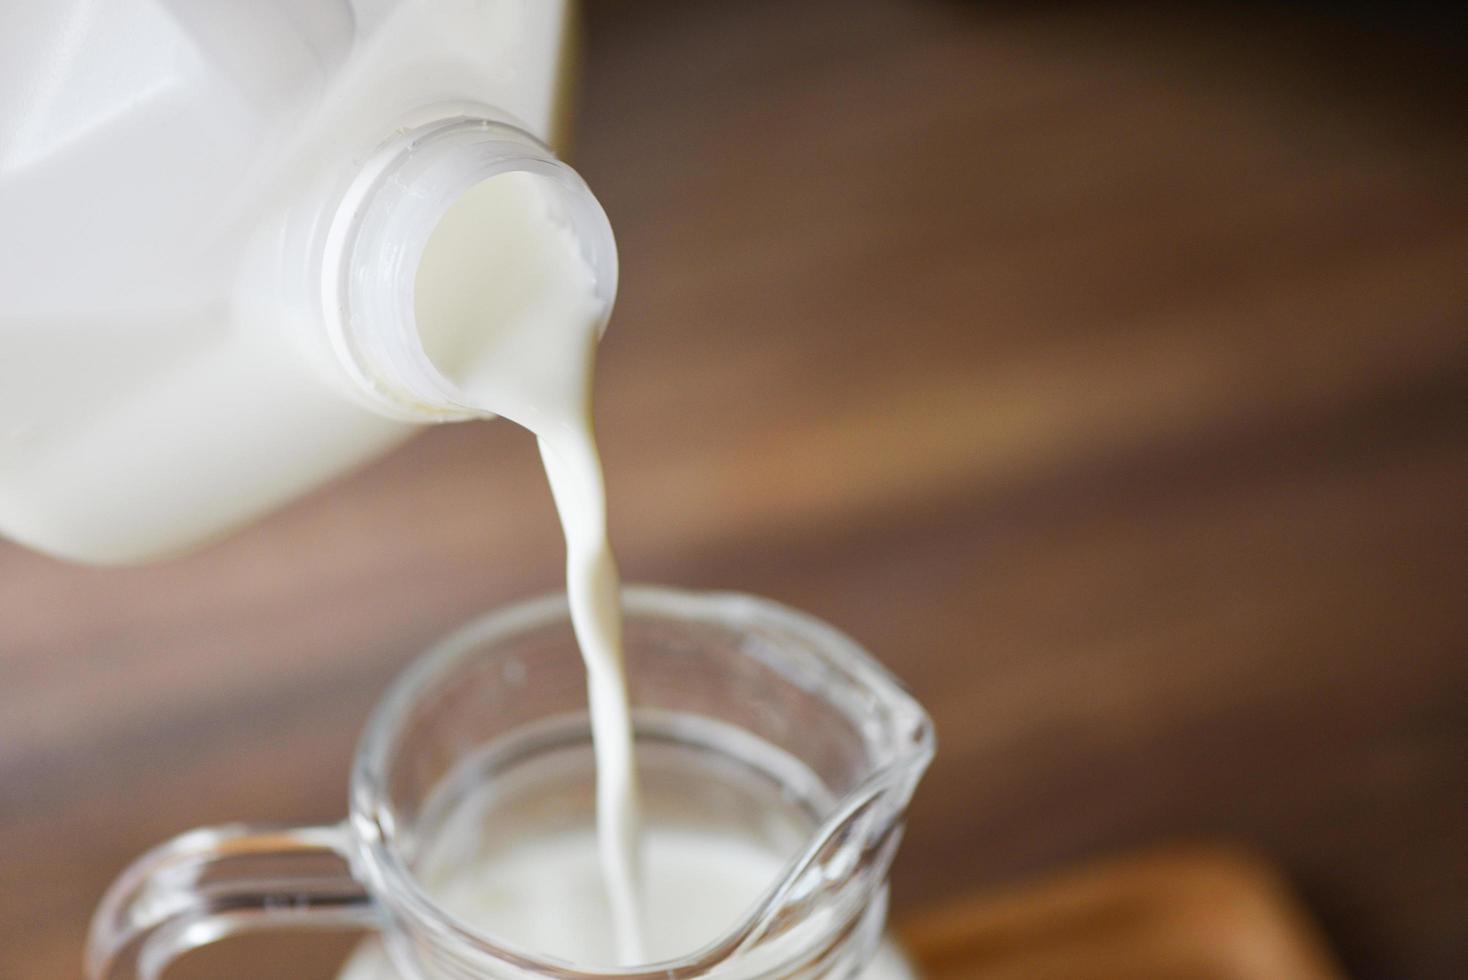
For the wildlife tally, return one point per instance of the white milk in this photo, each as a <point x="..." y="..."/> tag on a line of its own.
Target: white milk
<point x="522" y="344"/>
<point x="544" y="896"/>
<point x="541" y="896"/>
<point x="509" y="848"/>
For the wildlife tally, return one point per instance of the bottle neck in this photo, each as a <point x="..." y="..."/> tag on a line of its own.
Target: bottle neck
<point x="377" y="240"/>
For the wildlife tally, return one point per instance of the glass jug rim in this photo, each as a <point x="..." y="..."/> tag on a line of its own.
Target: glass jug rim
<point x="910" y="746"/>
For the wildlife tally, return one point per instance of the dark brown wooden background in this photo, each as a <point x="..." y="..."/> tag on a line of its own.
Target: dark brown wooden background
<point x="1103" y="371"/>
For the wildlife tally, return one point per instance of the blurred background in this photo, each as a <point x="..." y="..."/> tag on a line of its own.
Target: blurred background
<point x="1102" y="368"/>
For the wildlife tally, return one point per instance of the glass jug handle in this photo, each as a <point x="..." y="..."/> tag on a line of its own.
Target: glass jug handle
<point x="214" y="882"/>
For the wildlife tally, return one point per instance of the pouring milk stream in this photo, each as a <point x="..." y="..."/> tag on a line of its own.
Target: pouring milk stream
<point x="521" y="344"/>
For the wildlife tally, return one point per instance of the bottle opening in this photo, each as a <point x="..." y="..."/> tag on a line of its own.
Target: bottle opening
<point x="505" y="300"/>
<point x="463" y="254"/>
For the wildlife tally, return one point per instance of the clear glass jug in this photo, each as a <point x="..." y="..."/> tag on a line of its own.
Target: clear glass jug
<point x="751" y="719"/>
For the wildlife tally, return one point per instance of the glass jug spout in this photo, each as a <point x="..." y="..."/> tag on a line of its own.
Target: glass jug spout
<point x="837" y="884"/>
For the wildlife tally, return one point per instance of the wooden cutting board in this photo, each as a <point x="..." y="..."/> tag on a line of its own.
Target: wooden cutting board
<point x="1182" y="913"/>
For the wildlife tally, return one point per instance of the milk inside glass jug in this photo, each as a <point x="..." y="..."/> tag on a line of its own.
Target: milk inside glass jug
<point x="777" y="761"/>
<point x="213" y="218"/>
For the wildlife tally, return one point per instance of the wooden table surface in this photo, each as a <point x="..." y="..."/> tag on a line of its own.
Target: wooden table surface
<point x="1105" y="373"/>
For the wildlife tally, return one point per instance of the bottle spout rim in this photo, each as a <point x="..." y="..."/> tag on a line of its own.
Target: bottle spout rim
<point x="380" y="230"/>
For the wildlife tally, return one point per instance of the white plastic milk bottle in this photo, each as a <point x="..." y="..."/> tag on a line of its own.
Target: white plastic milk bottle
<point x="212" y="222"/>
